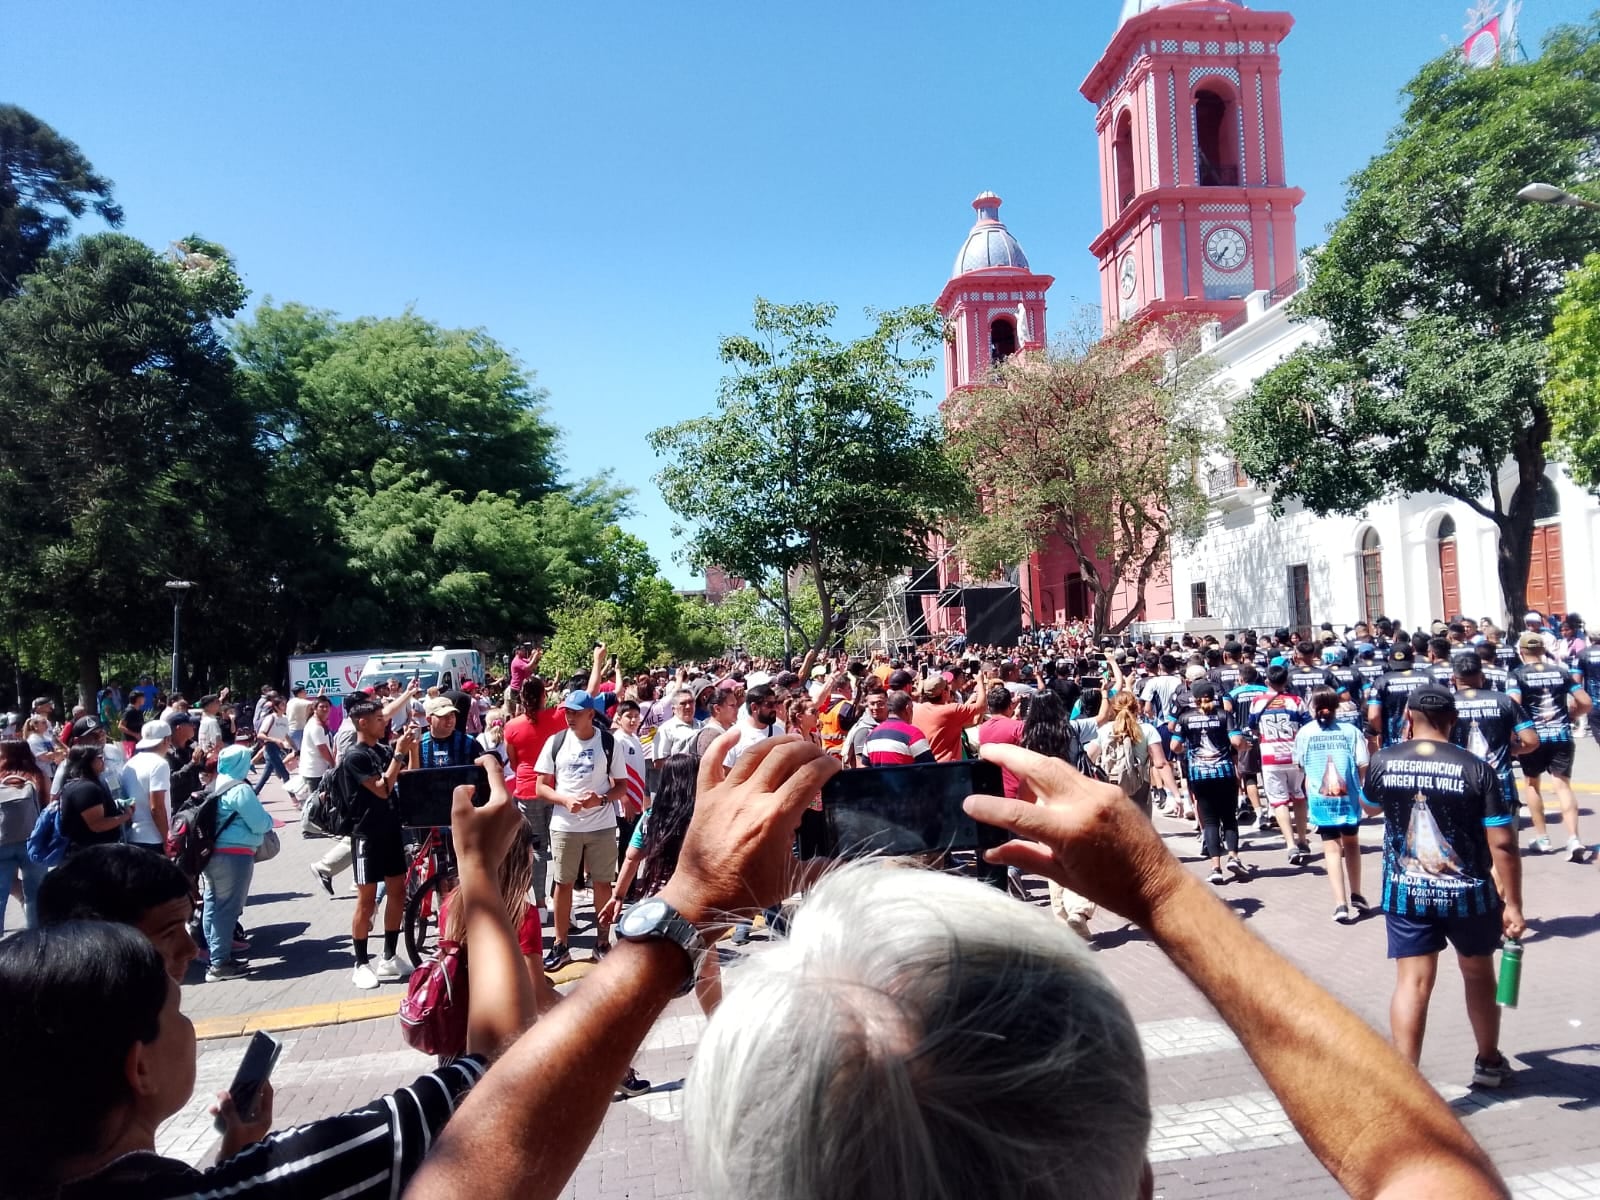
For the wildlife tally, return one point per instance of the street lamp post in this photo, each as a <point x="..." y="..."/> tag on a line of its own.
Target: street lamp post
<point x="1549" y="193"/>
<point x="179" y="589"/>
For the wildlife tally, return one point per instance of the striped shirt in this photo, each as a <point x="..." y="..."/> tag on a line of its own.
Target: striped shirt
<point x="896" y="743"/>
<point x="368" y="1154"/>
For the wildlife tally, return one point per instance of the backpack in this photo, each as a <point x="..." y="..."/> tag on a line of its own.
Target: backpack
<point x="433" y="1015"/>
<point x="19" y="812"/>
<point x="608" y="746"/>
<point x="1122" y="766"/>
<point x="319" y="816"/>
<point x="193" y="831"/>
<point x="48" y="843"/>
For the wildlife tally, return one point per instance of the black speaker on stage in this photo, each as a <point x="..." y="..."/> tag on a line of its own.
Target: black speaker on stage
<point x="994" y="614"/>
<point x="916" y="621"/>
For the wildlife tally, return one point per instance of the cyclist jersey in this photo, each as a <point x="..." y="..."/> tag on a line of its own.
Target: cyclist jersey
<point x="1441" y="672"/>
<point x="1389" y="694"/>
<point x="1305" y="680"/>
<point x="1505" y="656"/>
<point x="1498" y="678"/>
<point x="1542" y="689"/>
<point x="1589" y="671"/>
<point x="1485" y="723"/>
<point x="1225" y="678"/>
<point x="1436" y="800"/>
<point x="454" y="751"/>
<point x="1352" y="689"/>
<point x="1203" y="740"/>
<point x="1239" y="704"/>
<point x="1275" y="718"/>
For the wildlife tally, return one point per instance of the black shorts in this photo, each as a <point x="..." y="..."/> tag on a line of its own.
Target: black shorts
<point x="1332" y="833"/>
<point x="378" y="856"/>
<point x="1473" y="937"/>
<point x="1551" y="758"/>
<point x="1247" y="761"/>
<point x="812" y="836"/>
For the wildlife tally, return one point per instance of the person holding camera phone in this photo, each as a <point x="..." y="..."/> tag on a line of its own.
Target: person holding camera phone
<point x="363" y="784"/>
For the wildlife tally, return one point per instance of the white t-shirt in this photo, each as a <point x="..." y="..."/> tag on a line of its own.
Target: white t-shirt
<point x="273" y="727"/>
<point x="749" y="735"/>
<point x="146" y="772"/>
<point x="632" y="753"/>
<point x="210" y="735"/>
<point x="312" y="763"/>
<point x="578" y="767"/>
<point x="299" y="712"/>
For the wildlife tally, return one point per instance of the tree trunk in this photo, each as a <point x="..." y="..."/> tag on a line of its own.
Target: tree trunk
<point x="88" y="677"/>
<point x="1512" y="556"/>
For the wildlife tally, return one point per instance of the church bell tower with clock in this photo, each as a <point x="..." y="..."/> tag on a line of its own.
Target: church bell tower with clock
<point x="1195" y="203"/>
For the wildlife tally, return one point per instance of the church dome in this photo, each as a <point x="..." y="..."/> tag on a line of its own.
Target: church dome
<point x="990" y="244"/>
<point x="1132" y="8"/>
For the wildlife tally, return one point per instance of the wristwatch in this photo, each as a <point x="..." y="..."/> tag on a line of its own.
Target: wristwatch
<point x="655" y="918"/>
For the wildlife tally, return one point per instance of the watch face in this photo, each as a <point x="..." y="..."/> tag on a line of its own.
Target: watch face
<point x="1129" y="275"/>
<point x="1227" y="249"/>
<point x="642" y="917"/>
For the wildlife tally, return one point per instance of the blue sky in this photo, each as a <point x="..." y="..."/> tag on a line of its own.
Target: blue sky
<point x="606" y="188"/>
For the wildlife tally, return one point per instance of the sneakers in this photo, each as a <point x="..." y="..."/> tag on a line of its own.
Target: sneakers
<point x="1359" y="902"/>
<point x="1217" y="877"/>
<point x="323" y="878"/>
<point x="741" y="933"/>
<point x="1240" y="871"/>
<point x="558" y="957"/>
<point x="632" y="1084"/>
<point x="1576" y="851"/>
<point x="1246" y="815"/>
<point x="1265" y="823"/>
<point x="388" y="968"/>
<point x="1300" y="855"/>
<point x="1079" y="924"/>
<point x="1539" y="845"/>
<point x="601" y="949"/>
<point x="1294" y="856"/>
<point x="1343" y="915"/>
<point x="364" y="977"/>
<point x="240" y="946"/>
<point x="225" y="970"/>
<point x="1490" y="1075"/>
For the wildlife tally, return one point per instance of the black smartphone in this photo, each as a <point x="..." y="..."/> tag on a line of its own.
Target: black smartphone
<point x="260" y="1056"/>
<point x="423" y="797"/>
<point x="908" y="810"/>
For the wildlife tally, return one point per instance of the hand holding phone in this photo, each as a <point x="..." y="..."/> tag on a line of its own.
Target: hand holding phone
<point x="249" y="1085"/>
<point x="908" y="810"/>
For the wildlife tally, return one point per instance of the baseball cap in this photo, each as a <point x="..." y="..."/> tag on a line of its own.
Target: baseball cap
<point x="1430" y="698"/>
<point x="578" y="700"/>
<point x="84" y="726"/>
<point x="933" y="685"/>
<point x="819" y="671"/>
<point x="181" y="718"/>
<point x="439" y="706"/>
<point x="153" y="733"/>
<point x="1466" y="662"/>
<point x="1400" y="652"/>
<point x="901" y="680"/>
<point x="1532" y="616"/>
<point x="1530" y="641"/>
<point x="469" y="687"/>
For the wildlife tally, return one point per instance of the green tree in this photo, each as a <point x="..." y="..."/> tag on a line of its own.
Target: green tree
<point x="750" y="621"/>
<point x="1437" y="291"/>
<point x="579" y="624"/>
<point x="1573" y="393"/>
<point x="45" y="181"/>
<point x="1097" y="443"/>
<point x="815" y="459"/>
<point x="123" y="445"/>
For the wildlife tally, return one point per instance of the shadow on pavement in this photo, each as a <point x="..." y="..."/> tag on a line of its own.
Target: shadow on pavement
<point x="1118" y="937"/>
<point x="304" y="958"/>
<point x="1565" y="927"/>
<point x="280" y="897"/>
<point x="1553" y="1076"/>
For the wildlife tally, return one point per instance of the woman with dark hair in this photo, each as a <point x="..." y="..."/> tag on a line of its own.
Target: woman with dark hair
<point x="653" y="856"/>
<point x="90" y="815"/>
<point x="1333" y="756"/>
<point x="89" y="1018"/>
<point x="16" y="758"/>
<point x="1046" y="730"/>
<point x="19" y="776"/>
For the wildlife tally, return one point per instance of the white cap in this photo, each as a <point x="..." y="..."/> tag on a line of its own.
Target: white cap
<point x="152" y="734"/>
<point x="1536" y="618"/>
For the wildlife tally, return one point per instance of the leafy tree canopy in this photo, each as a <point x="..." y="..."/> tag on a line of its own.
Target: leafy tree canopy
<point x="45" y="181"/>
<point x="815" y="458"/>
<point x="1574" y="389"/>
<point x="1437" y="291"/>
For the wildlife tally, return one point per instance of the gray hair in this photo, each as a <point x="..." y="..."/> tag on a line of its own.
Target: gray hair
<point x="918" y="1035"/>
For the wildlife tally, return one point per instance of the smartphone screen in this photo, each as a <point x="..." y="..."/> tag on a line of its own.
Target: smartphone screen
<point x="422" y="797"/>
<point x="908" y="810"/>
<point x="260" y="1056"/>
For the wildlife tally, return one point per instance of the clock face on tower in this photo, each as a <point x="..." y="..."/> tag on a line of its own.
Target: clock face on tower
<point x="1129" y="276"/>
<point x="1227" y="248"/>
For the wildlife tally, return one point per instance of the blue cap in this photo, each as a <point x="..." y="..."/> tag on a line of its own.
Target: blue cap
<point x="578" y="700"/>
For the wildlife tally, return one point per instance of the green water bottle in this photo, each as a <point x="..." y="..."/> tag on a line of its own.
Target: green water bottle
<point x="1510" y="973"/>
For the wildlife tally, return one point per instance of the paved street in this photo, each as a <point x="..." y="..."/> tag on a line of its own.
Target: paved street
<point x="1218" y="1131"/>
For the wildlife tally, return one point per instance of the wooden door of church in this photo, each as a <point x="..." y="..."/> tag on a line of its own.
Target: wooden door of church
<point x="1449" y="579"/>
<point x="1547" y="577"/>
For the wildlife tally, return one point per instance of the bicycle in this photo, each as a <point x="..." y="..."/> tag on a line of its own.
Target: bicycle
<point x="430" y="875"/>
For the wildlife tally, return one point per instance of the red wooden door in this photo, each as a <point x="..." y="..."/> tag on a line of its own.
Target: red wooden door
<point x="1547" y="580"/>
<point x="1449" y="579"/>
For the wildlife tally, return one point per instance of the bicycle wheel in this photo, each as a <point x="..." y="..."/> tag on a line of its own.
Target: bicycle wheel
<point x="421" y="925"/>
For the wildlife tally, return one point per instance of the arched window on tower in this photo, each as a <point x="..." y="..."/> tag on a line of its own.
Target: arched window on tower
<point x="1002" y="340"/>
<point x="1370" y="564"/>
<point x="1122" y="150"/>
<point x="1217" y="140"/>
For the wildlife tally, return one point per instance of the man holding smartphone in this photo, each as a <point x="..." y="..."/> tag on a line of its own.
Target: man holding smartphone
<point x="363" y="783"/>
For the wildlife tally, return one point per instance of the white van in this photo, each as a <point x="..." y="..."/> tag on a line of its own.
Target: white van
<point x="441" y="668"/>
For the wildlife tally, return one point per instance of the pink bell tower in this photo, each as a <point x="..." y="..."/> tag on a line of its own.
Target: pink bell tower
<point x="993" y="303"/>
<point x="1196" y="207"/>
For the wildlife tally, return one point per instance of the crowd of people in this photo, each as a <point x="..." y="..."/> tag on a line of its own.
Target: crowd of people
<point x="687" y="802"/>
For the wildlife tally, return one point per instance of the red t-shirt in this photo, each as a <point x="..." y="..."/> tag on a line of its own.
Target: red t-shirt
<point x="1004" y="731"/>
<point x="528" y="936"/>
<point x="525" y="738"/>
